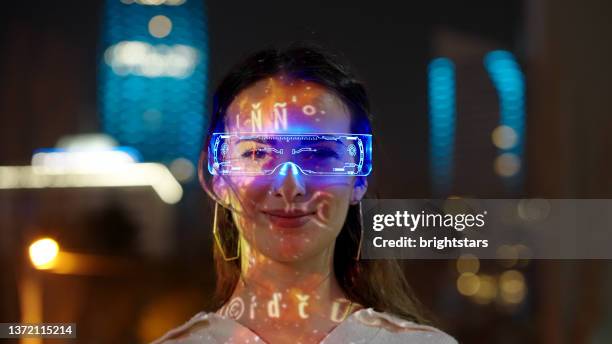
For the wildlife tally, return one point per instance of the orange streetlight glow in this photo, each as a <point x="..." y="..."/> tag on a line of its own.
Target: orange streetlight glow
<point x="43" y="253"/>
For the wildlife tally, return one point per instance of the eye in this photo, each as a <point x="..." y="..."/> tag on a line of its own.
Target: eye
<point x="323" y="153"/>
<point x="255" y="154"/>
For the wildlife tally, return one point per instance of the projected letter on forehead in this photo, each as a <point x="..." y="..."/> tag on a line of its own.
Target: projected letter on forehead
<point x="280" y="116"/>
<point x="256" y="117"/>
<point x="286" y="105"/>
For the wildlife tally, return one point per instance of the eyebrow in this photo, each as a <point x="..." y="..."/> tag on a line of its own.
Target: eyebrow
<point x="255" y="139"/>
<point x="301" y="142"/>
<point x="307" y="142"/>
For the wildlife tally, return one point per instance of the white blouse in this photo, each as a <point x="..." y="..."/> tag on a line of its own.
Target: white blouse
<point x="363" y="326"/>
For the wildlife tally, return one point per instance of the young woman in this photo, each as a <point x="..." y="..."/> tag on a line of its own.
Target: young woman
<point x="286" y="162"/>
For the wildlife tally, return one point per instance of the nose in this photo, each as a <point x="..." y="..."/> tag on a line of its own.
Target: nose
<point x="289" y="184"/>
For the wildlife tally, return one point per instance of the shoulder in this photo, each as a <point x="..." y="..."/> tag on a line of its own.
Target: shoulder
<point x="207" y="327"/>
<point x="183" y="334"/>
<point x="393" y="329"/>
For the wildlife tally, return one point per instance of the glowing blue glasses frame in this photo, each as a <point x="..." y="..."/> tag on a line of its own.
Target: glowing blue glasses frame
<point x="361" y="147"/>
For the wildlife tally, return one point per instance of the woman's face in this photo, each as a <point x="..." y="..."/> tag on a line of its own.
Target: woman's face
<point x="288" y="216"/>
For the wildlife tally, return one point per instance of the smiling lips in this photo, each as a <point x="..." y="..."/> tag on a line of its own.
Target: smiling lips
<point x="284" y="219"/>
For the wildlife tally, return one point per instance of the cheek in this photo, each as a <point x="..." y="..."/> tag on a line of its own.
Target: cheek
<point x="331" y="197"/>
<point x="249" y="191"/>
<point x="331" y="206"/>
<point x="245" y="196"/>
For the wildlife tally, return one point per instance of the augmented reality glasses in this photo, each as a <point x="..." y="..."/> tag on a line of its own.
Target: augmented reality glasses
<point x="311" y="154"/>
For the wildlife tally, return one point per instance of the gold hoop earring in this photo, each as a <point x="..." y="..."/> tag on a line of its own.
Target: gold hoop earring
<point x="218" y="241"/>
<point x="358" y="256"/>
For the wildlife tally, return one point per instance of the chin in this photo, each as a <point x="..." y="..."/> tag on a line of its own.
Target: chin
<point x="288" y="248"/>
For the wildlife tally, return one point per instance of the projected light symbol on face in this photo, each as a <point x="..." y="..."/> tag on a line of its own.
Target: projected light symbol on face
<point x="309" y="110"/>
<point x="274" y="306"/>
<point x="280" y="116"/>
<point x="303" y="302"/>
<point x="256" y="117"/>
<point x="336" y="314"/>
<point x="252" y="307"/>
<point x="235" y="308"/>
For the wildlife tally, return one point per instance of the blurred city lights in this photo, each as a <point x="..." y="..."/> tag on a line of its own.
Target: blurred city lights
<point x="508" y="255"/>
<point x="88" y="142"/>
<point x="487" y="290"/>
<point x="468" y="263"/>
<point x="512" y="287"/>
<point x="145" y="174"/>
<point x="533" y="209"/>
<point x="57" y="160"/>
<point x="524" y="254"/>
<point x="509" y="136"/>
<point x="91" y="161"/>
<point x="507" y="164"/>
<point x="468" y="283"/>
<point x="154" y="2"/>
<point x="43" y="253"/>
<point x="504" y="137"/>
<point x="182" y="169"/>
<point x="144" y="59"/>
<point x="455" y="205"/>
<point x="509" y="288"/>
<point x="441" y="75"/>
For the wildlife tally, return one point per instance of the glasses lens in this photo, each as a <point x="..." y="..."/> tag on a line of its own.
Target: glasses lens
<point x="313" y="154"/>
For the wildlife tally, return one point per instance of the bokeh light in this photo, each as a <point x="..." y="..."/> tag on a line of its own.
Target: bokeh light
<point x="533" y="209"/>
<point x="468" y="263"/>
<point x="182" y="169"/>
<point x="507" y="164"/>
<point x="160" y="26"/>
<point x="43" y="253"/>
<point x="512" y="287"/>
<point x="487" y="290"/>
<point x="504" y="137"/>
<point x="508" y="255"/>
<point x="468" y="284"/>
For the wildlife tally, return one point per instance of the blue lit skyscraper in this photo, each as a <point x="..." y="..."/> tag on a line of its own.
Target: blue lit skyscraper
<point x="152" y="78"/>
<point x="442" y="113"/>
<point x="509" y="137"/>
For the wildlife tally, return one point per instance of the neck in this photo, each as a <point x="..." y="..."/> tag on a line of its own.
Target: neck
<point x="304" y="291"/>
<point x="306" y="274"/>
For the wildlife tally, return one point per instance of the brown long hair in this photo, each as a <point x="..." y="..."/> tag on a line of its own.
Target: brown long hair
<point x="380" y="284"/>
